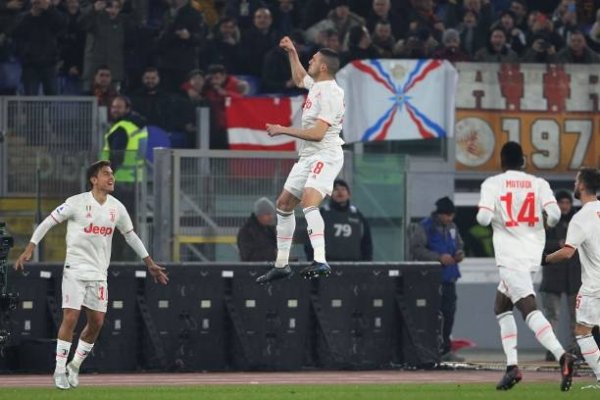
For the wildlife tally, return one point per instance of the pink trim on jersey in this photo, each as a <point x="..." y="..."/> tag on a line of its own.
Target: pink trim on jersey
<point x="285" y="237"/>
<point x="327" y="122"/>
<point x="61" y="356"/>
<point x="544" y="329"/>
<point x="486" y="208"/>
<point x="550" y="202"/>
<point x="316" y="234"/>
<point x="509" y="337"/>
<point x="55" y="220"/>
<point x="591" y="352"/>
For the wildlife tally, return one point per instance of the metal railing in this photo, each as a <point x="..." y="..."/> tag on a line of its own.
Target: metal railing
<point x="53" y="137"/>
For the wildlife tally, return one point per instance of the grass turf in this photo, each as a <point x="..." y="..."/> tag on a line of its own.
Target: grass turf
<point x="523" y="391"/>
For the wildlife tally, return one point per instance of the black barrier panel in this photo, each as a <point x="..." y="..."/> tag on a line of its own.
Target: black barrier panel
<point x="189" y="318"/>
<point x="418" y="301"/>
<point x="117" y="347"/>
<point x="355" y="319"/>
<point x="32" y="318"/>
<point x="270" y="323"/>
<point x="215" y="317"/>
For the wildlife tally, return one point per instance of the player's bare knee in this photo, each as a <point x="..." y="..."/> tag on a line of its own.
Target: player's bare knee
<point x="582" y="330"/>
<point x="502" y="304"/>
<point x="526" y="305"/>
<point x="70" y="317"/>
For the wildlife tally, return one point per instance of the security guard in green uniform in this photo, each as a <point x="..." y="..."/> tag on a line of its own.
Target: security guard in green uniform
<point x="125" y="147"/>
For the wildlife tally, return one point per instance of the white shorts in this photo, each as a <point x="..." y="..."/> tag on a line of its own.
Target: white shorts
<point x="587" y="310"/>
<point x="515" y="284"/>
<point x="90" y="294"/>
<point x="317" y="171"/>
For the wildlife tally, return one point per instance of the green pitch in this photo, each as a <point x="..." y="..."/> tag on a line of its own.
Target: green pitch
<point x="523" y="391"/>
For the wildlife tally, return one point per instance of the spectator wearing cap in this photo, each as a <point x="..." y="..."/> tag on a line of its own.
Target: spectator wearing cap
<point x="257" y="239"/>
<point x="560" y="278"/>
<point x="347" y="232"/>
<point x="451" y="50"/>
<point x="436" y="238"/>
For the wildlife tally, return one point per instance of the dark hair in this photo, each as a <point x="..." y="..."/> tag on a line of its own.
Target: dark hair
<point x="511" y="156"/>
<point x="590" y="177"/>
<point x="93" y="170"/>
<point x="195" y="72"/>
<point x="102" y="67"/>
<point x="217" y="69"/>
<point x="563" y="194"/>
<point x="150" y="69"/>
<point x="125" y="99"/>
<point x="331" y="59"/>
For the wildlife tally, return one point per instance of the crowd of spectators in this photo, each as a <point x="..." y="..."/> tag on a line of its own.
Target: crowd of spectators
<point x="171" y="56"/>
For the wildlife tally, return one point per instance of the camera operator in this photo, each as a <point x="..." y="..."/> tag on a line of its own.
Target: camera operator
<point x="541" y="51"/>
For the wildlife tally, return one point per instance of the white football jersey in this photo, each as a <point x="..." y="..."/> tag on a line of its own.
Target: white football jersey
<point x="516" y="200"/>
<point x="584" y="234"/>
<point x="325" y="101"/>
<point x="90" y="228"/>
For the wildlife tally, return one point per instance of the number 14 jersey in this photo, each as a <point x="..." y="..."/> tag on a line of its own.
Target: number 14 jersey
<point x="516" y="200"/>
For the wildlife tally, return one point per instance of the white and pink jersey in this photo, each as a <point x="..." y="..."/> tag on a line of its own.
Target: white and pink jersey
<point x="584" y="234"/>
<point x="516" y="200"/>
<point x="325" y="101"/>
<point x="90" y="228"/>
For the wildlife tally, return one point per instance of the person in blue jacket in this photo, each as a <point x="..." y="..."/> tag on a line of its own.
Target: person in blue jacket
<point x="436" y="238"/>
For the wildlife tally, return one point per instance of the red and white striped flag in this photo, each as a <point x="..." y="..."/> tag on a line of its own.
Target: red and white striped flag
<point x="246" y="119"/>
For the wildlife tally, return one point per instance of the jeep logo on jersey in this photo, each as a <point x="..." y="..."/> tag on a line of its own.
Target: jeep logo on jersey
<point x="98" y="230"/>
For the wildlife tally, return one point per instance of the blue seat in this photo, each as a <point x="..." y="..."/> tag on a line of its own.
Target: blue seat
<point x="10" y="74"/>
<point x="157" y="137"/>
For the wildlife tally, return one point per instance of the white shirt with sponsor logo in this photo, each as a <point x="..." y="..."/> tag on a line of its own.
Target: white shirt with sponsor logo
<point x="584" y="234"/>
<point x="325" y="101"/>
<point x="90" y="228"/>
<point x="517" y="199"/>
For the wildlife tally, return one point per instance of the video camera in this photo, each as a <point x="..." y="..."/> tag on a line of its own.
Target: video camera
<point x="8" y="301"/>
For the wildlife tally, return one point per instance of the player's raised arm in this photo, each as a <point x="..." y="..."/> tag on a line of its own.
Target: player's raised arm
<point x="298" y="71"/>
<point x="56" y="217"/>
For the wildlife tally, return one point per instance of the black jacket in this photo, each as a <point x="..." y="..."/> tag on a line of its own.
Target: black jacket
<point x="347" y="234"/>
<point x="257" y="242"/>
<point x="564" y="277"/>
<point x="37" y="37"/>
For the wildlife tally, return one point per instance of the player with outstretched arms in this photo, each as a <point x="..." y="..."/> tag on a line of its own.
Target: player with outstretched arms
<point x="321" y="159"/>
<point x="583" y="235"/>
<point x="514" y="202"/>
<point x="92" y="218"/>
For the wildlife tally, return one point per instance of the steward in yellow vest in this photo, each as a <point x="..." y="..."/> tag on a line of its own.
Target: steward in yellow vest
<point x="125" y="142"/>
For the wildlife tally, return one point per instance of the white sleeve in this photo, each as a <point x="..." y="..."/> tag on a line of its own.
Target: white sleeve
<point x="134" y="241"/>
<point x="124" y="223"/>
<point x="575" y="235"/>
<point x="330" y="107"/>
<point x="307" y="82"/>
<point x="487" y="201"/>
<point x="63" y="212"/>
<point x="42" y="229"/>
<point x="484" y="216"/>
<point x="549" y="203"/>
